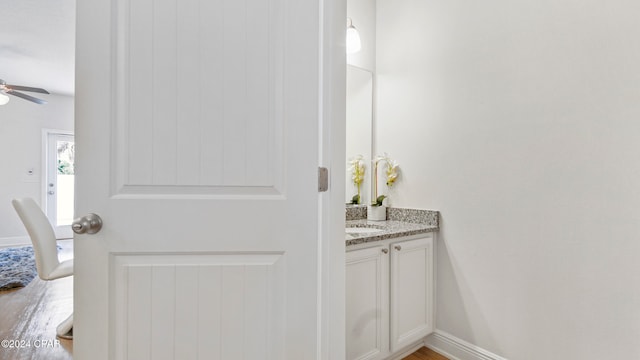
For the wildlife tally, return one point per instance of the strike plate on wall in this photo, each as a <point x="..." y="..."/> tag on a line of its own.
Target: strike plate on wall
<point x="323" y="179"/>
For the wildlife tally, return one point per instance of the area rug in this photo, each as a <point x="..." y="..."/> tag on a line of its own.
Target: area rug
<point x="17" y="267"/>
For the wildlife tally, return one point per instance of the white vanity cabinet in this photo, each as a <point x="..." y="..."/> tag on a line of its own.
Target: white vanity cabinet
<point x="367" y="305"/>
<point x="411" y="292"/>
<point x="389" y="289"/>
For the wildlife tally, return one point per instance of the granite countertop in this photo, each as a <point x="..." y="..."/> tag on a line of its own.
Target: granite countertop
<point x="401" y="222"/>
<point x="389" y="229"/>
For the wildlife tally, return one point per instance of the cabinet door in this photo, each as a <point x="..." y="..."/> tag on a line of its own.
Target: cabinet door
<point x="367" y="279"/>
<point x="411" y="291"/>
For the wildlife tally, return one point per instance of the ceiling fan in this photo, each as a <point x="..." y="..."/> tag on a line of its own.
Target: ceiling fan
<point x="6" y="89"/>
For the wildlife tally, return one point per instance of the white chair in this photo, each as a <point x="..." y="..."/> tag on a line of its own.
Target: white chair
<point x="45" y="250"/>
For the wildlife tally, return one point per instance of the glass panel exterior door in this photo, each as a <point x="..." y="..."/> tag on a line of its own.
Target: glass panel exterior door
<point x="60" y="182"/>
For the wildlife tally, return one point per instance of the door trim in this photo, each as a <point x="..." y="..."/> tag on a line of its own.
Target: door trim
<point x="331" y="154"/>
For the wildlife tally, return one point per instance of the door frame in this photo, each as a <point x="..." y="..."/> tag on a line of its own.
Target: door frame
<point x="46" y="133"/>
<point x="332" y="249"/>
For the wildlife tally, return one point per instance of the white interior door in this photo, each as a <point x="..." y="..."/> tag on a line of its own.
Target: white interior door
<point x="197" y="135"/>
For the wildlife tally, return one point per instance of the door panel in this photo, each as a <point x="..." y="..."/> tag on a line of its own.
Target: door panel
<point x="206" y="306"/>
<point x="367" y="315"/>
<point x="198" y="147"/>
<point x="411" y="291"/>
<point x="200" y="98"/>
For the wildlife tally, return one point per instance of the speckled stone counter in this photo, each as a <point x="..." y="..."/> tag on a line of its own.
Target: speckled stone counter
<point x="356" y="212"/>
<point x="401" y="222"/>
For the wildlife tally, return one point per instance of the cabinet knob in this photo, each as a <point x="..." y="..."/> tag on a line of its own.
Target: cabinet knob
<point x="384" y="251"/>
<point x="398" y="247"/>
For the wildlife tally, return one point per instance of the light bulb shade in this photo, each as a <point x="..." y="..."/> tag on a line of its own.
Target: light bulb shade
<point x="353" y="40"/>
<point x="3" y="99"/>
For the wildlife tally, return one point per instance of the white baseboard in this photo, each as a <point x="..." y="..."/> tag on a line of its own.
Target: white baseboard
<point x="14" y="241"/>
<point x="457" y="349"/>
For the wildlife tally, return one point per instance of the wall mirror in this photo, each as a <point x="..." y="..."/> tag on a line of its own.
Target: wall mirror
<point x="359" y="127"/>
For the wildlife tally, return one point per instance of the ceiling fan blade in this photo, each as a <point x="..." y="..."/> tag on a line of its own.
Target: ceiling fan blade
<point x="25" y="96"/>
<point x="26" y="88"/>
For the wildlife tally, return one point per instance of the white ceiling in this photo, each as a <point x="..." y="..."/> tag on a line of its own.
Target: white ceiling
<point x="37" y="44"/>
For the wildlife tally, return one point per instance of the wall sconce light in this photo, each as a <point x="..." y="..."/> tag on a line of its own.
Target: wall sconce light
<point x="353" y="38"/>
<point x="3" y="99"/>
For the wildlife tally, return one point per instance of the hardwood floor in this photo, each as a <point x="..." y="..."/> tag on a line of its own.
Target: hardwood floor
<point x="29" y="316"/>
<point x="425" y="354"/>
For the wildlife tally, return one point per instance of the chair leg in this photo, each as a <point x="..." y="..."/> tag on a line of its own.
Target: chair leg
<point x="65" y="329"/>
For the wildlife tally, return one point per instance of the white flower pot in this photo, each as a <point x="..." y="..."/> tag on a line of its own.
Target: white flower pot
<point x="377" y="213"/>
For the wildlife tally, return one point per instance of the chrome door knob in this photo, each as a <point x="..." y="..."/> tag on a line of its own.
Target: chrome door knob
<point x="89" y="224"/>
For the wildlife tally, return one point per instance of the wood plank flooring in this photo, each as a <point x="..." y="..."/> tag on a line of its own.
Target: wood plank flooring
<point x="425" y="354"/>
<point x="31" y="314"/>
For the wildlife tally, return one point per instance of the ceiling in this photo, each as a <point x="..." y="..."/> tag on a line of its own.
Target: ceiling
<point x="37" y="44"/>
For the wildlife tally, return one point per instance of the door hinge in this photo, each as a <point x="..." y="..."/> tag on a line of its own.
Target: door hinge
<point x="323" y="179"/>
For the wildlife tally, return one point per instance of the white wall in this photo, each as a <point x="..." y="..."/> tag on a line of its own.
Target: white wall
<point x="520" y="122"/>
<point x="21" y="125"/>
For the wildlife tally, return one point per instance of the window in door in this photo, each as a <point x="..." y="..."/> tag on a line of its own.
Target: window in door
<point x="59" y="183"/>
